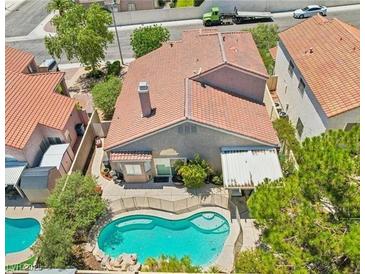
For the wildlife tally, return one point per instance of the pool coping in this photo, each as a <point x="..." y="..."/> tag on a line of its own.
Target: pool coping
<point x="225" y="259"/>
<point x="14" y="213"/>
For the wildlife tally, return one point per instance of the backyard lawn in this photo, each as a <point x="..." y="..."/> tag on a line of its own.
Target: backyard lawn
<point x="184" y="3"/>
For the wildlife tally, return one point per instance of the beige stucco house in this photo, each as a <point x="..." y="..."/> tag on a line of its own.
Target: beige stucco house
<point x="202" y="94"/>
<point x="40" y="116"/>
<point x="318" y="70"/>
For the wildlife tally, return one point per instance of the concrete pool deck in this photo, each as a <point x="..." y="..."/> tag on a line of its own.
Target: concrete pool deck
<point x="224" y="261"/>
<point x="18" y="212"/>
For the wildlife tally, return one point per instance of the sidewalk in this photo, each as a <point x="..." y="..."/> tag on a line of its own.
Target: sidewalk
<point x="11" y="5"/>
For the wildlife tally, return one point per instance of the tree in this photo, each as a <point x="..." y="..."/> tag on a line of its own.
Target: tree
<point x="147" y="39"/>
<point x="60" y="5"/>
<point x="310" y="220"/>
<point x="82" y="34"/>
<point x="266" y="37"/>
<point x="73" y="207"/>
<point x="105" y="95"/>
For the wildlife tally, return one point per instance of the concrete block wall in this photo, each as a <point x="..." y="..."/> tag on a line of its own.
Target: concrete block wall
<point x="163" y="15"/>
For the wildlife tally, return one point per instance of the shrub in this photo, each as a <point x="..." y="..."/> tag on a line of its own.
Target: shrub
<point x="161" y="3"/>
<point x="113" y="69"/>
<point x="170" y="264"/>
<point x="218" y="180"/>
<point x="193" y="175"/>
<point x="105" y="95"/>
<point x="197" y="3"/>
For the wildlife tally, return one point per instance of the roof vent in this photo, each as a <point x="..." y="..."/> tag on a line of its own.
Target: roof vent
<point x="171" y="44"/>
<point x="310" y="50"/>
<point x="144" y="98"/>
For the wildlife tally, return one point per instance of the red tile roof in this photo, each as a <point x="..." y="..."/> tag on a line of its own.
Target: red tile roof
<point x="31" y="100"/>
<point x="327" y="53"/>
<point x="166" y="70"/>
<point x="131" y="156"/>
<point x="17" y="60"/>
<point x="220" y="109"/>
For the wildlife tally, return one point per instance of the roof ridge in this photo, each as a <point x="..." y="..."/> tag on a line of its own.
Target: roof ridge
<point x="342" y="24"/>
<point x="221" y="47"/>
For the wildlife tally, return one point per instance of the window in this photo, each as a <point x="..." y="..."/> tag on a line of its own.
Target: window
<point x="54" y="140"/>
<point x="349" y="126"/>
<point x="187" y="129"/>
<point x="300" y="127"/>
<point x="44" y="145"/>
<point x="133" y="169"/>
<point x="147" y="166"/>
<point x="291" y="68"/>
<point x="301" y="86"/>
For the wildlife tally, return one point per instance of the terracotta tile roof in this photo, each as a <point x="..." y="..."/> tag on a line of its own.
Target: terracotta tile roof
<point x="166" y="70"/>
<point x="327" y="53"/>
<point x="226" y="111"/>
<point x="131" y="156"/>
<point x="273" y="51"/>
<point x="17" y="60"/>
<point x="31" y="100"/>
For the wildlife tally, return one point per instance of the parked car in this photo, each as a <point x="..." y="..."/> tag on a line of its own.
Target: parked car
<point x="310" y="11"/>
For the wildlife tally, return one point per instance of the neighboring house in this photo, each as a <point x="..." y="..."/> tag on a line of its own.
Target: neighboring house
<point x="39" y="114"/>
<point x="318" y="69"/>
<point x="203" y="94"/>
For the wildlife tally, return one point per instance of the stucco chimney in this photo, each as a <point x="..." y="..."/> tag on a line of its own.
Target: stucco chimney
<point x="144" y="98"/>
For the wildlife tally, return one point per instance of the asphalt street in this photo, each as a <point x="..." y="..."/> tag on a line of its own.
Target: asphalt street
<point x="284" y="21"/>
<point x="25" y="18"/>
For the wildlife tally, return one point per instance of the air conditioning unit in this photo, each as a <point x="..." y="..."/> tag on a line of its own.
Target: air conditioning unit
<point x="283" y="114"/>
<point x="278" y="107"/>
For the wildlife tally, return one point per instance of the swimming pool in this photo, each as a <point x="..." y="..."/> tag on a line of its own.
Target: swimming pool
<point x="20" y="234"/>
<point x="200" y="236"/>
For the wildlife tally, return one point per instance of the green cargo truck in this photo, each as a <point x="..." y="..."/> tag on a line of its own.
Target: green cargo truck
<point x="215" y="17"/>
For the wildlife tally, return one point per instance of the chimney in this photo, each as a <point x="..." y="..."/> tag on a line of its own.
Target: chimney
<point x="144" y="98"/>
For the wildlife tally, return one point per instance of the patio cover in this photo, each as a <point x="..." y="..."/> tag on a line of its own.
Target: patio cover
<point x="53" y="156"/>
<point x="13" y="170"/>
<point x="246" y="167"/>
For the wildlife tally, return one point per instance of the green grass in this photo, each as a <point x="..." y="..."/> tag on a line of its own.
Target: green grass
<point x="21" y="265"/>
<point x="184" y="3"/>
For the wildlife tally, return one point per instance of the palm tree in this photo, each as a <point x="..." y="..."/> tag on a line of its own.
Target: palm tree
<point x="60" y="5"/>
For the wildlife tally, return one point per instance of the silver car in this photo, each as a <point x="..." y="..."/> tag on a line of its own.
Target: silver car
<point x="310" y="11"/>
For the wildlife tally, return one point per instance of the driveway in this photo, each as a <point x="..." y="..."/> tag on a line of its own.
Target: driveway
<point x="25" y="17"/>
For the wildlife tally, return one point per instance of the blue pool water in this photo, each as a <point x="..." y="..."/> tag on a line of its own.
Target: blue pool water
<point x="20" y="234"/>
<point x="200" y="236"/>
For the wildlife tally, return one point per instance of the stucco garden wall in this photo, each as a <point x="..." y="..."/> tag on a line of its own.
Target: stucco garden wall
<point x="161" y="15"/>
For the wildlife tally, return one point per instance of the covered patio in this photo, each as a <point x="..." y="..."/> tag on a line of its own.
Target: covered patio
<point x="244" y="168"/>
